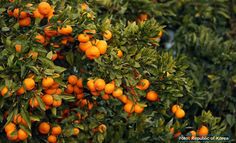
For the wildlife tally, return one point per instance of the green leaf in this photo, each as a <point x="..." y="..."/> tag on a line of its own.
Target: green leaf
<point x="10" y="60"/>
<point x="70" y="57"/>
<point x="41" y="104"/>
<point x="5" y="29"/>
<point x="230" y="119"/>
<point x="25" y="115"/>
<point x="49" y="55"/>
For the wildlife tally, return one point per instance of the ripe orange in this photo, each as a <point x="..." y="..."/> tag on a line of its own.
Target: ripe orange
<point x="95" y="93"/>
<point x="119" y="53"/>
<point x="80" y="96"/>
<point x="59" y="91"/>
<point x="52" y="139"/>
<point x="75" y="131"/>
<point x="172" y="130"/>
<point x="18" y="48"/>
<point x="143" y="17"/>
<point x="47" y="82"/>
<point x="123" y="98"/>
<point x="54" y="57"/>
<point x="99" y="84"/>
<point x="84" y="6"/>
<point x="143" y="84"/>
<point x="117" y="92"/>
<point x="202" y="131"/>
<point x="90" y="105"/>
<point x="107" y="35"/>
<point x="12" y="136"/>
<point x="44" y="8"/>
<point x="91" y="85"/>
<point x="29" y="83"/>
<point x="22" y="135"/>
<point x="47" y="99"/>
<point x="175" y="108"/>
<point x="80" y="83"/>
<point x="193" y="134"/>
<point x="17" y="13"/>
<point x="37" y="14"/>
<point x="72" y="79"/>
<point x="105" y="97"/>
<point x="44" y="128"/>
<point x="129" y="107"/>
<point x="49" y="31"/>
<point x="50" y="91"/>
<point x="176" y="135"/>
<point x="33" y="54"/>
<point x="84" y="46"/>
<point x="20" y="91"/>
<point x="69" y="89"/>
<point x="102" y="128"/>
<point x="50" y="15"/>
<point x="25" y="22"/>
<point x="56" y="130"/>
<point x="33" y="102"/>
<point x="138" y="109"/>
<point x="152" y="96"/>
<point x="102" y="46"/>
<point x="4" y="91"/>
<point x="83" y="38"/>
<point x="55" y="85"/>
<point x="77" y="90"/>
<point x="10" y="127"/>
<point x="92" y="53"/>
<point x="40" y="38"/>
<point x="179" y="113"/>
<point x="65" y="30"/>
<point x="90" y="33"/>
<point x="109" y="88"/>
<point x="17" y="119"/>
<point x="57" y="103"/>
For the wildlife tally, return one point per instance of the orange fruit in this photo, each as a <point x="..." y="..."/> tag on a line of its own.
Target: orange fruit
<point x="47" y="82"/>
<point x="65" y="30"/>
<point x="91" y="85"/>
<point x="49" y="31"/>
<point x="10" y="12"/>
<point x="4" y="90"/>
<point x="193" y="134"/>
<point x="143" y="17"/>
<point x="17" y="13"/>
<point x="119" y="53"/>
<point x="44" y="8"/>
<point x="55" y="85"/>
<point x="18" y="48"/>
<point x="80" y="96"/>
<point x="12" y="136"/>
<point x="95" y="93"/>
<point x="56" y="103"/>
<point x="202" y="131"/>
<point x="102" y="128"/>
<point x="77" y="90"/>
<point x="37" y="14"/>
<point x="33" y="54"/>
<point x="80" y="83"/>
<point x="20" y="91"/>
<point x="107" y="35"/>
<point x="83" y="38"/>
<point x="152" y="96"/>
<point x="50" y="15"/>
<point x="129" y="107"/>
<point x="22" y="135"/>
<point x="59" y="91"/>
<point x="102" y="46"/>
<point x="50" y="91"/>
<point x="69" y="89"/>
<point x="92" y="53"/>
<point x="175" y="108"/>
<point x="56" y="130"/>
<point x="54" y="57"/>
<point x="105" y="97"/>
<point x="99" y="84"/>
<point x="44" y="128"/>
<point x="179" y="113"/>
<point x="64" y="41"/>
<point x="72" y="79"/>
<point x="10" y="127"/>
<point x="23" y="121"/>
<point x="172" y="130"/>
<point x="84" y="6"/>
<point x="117" y="92"/>
<point x="40" y="38"/>
<point x="90" y="33"/>
<point x="33" y="102"/>
<point x="123" y="98"/>
<point x="84" y="46"/>
<point x="109" y="88"/>
<point x="143" y="84"/>
<point x="176" y="135"/>
<point x="47" y="99"/>
<point x="138" y="109"/>
<point x="17" y="119"/>
<point x="75" y="131"/>
<point x="52" y="139"/>
<point x="29" y="83"/>
<point x="25" y="22"/>
<point x="90" y="105"/>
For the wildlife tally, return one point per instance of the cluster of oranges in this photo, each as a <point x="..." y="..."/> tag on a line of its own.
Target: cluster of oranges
<point x="178" y="111"/>
<point x="14" y="134"/>
<point x="93" y="48"/>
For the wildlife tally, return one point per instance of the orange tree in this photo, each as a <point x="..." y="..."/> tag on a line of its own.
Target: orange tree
<point x="70" y="74"/>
